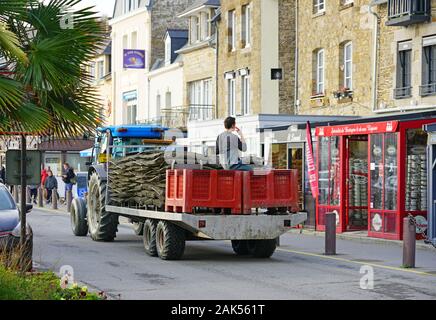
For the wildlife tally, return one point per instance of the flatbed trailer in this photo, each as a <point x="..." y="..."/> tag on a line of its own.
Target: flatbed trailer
<point x="165" y="233"/>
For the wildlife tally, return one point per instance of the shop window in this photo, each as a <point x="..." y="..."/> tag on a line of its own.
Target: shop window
<point x="329" y="171"/>
<point x="377" y="170"/>
<point x="279" y="156"/>
<point x="416" y="170"/>
<point x="391" y="171"/>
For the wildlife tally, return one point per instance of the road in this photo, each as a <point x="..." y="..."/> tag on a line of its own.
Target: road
<point x="210" y="270"/>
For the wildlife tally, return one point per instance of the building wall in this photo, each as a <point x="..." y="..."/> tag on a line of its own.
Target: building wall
<point x="103" y="86"/>
<point x="328" y="30"/>
<point x="389" y="38"/>
<point x="164" y="80"/>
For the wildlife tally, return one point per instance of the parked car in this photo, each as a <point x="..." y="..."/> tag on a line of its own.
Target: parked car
<point x="10" y="229"/>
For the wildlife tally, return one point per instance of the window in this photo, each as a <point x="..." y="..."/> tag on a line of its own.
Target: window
<point x="131" y="114"/>
<point x="195" y="29"/>
<point x="92" y="71"/>
<point x="429" y="67"/>
<point x="130" y="5"/>
<point x="168" y="51"/>
<point x="134" y="40"/>
<point x="246" y="26"/>
<point x="318" y="6"/>
<point x="318" y="72"/>
<point x="246" y="94"/>
<point x="232" y="30"/>
<point x="404" y="71"/>
<point x="168" y="99"/>
<point x="348" y="66"/>
<point x="204" y="25"/>
<point x="158" y="103"/>
<point x="200" y="100"/>
<point x="231" y="96"/>
<point x="101" y="72"/>
<point x="125" y="42"/>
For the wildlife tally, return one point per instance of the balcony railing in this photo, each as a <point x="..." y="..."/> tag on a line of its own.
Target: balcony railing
<point x="201" y="112"/>
<point x="402" y="93"/>
<point x="427" y="90"/>
<point x="407" y="12"/>
<point x="175" y="117"/>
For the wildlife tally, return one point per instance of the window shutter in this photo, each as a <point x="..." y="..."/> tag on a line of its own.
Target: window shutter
<point x="425" y="65"/>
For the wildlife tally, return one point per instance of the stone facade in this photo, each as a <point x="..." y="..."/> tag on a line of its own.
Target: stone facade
<point x="330" y="30"/>
<point x="390" y="37"/>
<point x="272" y="46"/>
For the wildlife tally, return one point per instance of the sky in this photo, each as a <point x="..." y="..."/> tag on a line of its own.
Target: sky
<point x="106" y="7"/>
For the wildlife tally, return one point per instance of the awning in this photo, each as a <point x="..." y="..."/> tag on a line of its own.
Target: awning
<point x="86" y="153"/>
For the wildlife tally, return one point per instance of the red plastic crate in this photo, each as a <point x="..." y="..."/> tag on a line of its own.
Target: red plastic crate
<point x="188" y="189"/>
<point x="270" y="189"/>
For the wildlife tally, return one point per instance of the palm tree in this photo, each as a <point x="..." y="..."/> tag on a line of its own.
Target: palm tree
<point x="44" y="85"/>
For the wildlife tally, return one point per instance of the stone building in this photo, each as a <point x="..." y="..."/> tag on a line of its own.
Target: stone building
<point x="139" y="26"/>
<point x="199" y="60"/>
<point x="406" y="78"/>
<point x="334" y="41"/>
<point x="256" y="47"/>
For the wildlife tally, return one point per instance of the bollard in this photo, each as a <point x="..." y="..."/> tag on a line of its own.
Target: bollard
<point x="40" y="197"/>
<point x="409" y="243"/>
<point x="69" y="200"/>
<point x="278" y="242"/>
<point x="330" y="234"/>
<point x="16" y="198"/>
<point x="54" y="198"/>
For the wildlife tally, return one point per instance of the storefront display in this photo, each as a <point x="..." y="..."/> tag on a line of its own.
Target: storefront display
<point x="380" y="168"/>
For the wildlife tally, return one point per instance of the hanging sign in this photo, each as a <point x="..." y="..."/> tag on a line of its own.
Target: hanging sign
<point x="311" y="168"/>
<point x="358" y="129"/>
<point x="134" y="59"/>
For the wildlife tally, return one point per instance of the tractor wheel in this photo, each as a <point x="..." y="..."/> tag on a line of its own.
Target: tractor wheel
<point x="79" y="223"/>
<point x="262" y="248"/>
<point x="138" y="227"/>
<point x="103" y="225"/>
<point x="240" y="247"/>
<point x="170" y="241"/>
<point x="149" y="237"/>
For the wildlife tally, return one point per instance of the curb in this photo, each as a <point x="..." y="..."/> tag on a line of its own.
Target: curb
<point x="361" y="239"/>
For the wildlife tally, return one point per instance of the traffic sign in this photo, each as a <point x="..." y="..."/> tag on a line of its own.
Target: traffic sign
<point x="13" y="167"/>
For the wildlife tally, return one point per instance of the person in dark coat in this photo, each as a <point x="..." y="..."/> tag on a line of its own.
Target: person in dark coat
<point x="3" y="175"/>
<point x="50" y="184"/>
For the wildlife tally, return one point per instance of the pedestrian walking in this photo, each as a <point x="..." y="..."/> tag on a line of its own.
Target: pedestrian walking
<point x="68" y="178"/>
<point x="44" y="175"/>
<point x="33" y="193"/>
<point x="50" y="184"/>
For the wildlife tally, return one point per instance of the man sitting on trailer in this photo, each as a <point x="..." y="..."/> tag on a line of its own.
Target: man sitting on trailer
<point x="229" y="145"/>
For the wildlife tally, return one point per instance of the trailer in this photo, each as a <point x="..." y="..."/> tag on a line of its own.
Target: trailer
<point x="165" y="232"/>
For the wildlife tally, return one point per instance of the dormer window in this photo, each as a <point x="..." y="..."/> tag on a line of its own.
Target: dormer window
<point x="168" y="51"/>
<point x="195" y="29"/>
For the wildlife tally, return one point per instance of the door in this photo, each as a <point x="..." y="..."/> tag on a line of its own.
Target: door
<point x="356" y="198"/>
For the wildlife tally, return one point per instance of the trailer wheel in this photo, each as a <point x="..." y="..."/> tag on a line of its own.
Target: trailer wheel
<point x="149" y="237"/>
<point x="240" y="247"/>
<point x="262" y="248"/>
<point x="79" y="224"/>
<point x="103" y="225"/>
<point x="170" y="241"/>
<point x="138" y="227"/>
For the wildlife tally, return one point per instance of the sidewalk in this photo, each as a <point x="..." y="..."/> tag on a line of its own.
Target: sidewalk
<point x="362" y="237"/>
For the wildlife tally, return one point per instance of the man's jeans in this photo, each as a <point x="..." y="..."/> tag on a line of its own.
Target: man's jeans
<point x="68" y="187"/>
<point x="241" y="167"/>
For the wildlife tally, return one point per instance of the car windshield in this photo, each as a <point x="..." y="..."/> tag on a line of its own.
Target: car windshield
<point x="6" y="201"/>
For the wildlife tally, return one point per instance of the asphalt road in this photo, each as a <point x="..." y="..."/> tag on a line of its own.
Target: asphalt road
<point x="210" y="270"/>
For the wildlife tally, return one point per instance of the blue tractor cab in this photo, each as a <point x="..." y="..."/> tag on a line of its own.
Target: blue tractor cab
<point x="128" y="140"/>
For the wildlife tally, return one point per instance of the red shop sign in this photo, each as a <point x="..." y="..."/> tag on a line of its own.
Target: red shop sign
<point x="358" y="129"/>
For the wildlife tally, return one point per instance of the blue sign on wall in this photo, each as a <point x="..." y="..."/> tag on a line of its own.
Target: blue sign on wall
<point x="134" y="59"/>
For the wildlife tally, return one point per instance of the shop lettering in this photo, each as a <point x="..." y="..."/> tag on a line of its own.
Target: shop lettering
<point x="358" y="129"/>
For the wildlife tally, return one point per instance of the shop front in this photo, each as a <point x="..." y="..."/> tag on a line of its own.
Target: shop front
<point x="431" y="168"/>
<point x="372" y="173"/>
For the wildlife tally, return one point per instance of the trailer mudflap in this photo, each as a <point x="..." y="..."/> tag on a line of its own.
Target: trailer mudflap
<point x="223" y="227"/>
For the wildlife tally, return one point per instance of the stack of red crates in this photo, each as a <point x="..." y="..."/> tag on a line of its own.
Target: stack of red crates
<point x="189" y="189"/>
<point x="237" y="191"/>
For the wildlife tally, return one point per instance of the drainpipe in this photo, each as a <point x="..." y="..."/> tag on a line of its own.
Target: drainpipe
<point x="296" y="97"/>
<point x="375" y="56"/>
<point x="216" y="66"/>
